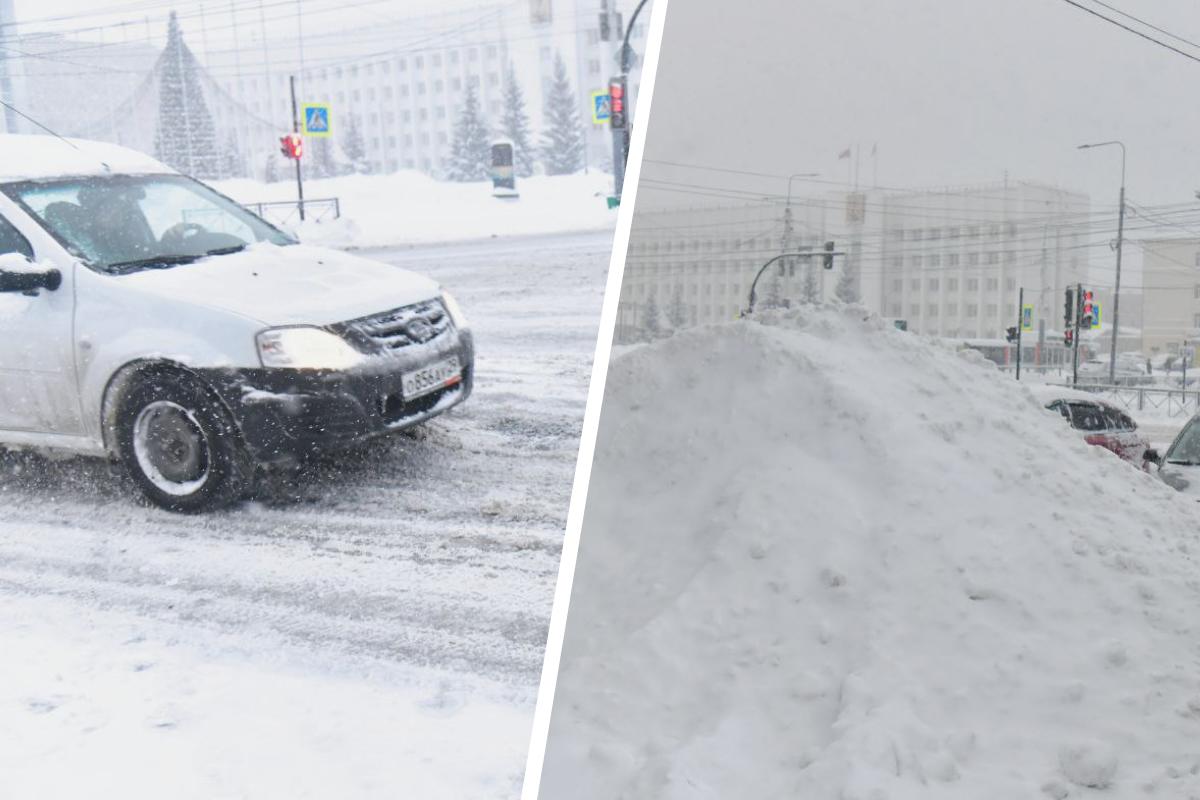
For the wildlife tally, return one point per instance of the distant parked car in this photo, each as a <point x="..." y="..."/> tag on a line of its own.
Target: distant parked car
<point x="1102" y="424"/>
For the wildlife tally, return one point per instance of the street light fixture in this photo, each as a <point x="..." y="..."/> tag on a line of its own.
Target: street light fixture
<point x="1112" y="356"/>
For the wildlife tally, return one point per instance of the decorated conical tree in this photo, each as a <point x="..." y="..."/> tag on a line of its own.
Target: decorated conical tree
<point x="515" y="124"/>
<point x="470" y="152"/>
<point x="562" y="137"/>
<point x="185" y="137"/>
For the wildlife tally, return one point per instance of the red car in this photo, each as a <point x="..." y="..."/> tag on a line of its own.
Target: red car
<point x="1101" y="423"/>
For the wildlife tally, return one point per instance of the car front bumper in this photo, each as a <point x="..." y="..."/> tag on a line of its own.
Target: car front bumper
<point x="285" y="415"/>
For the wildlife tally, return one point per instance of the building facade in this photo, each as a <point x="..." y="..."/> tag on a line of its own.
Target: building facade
<point x="1170" y="294"/>
<point x="949" y="263"/>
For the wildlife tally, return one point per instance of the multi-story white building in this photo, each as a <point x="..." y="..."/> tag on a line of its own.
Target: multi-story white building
<point x="1170" y="299"/>
<point x="406" y="99"/>
<point x="949" y="262"/>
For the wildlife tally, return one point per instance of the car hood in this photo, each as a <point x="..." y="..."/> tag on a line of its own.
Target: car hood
<point x="291" y="285"/>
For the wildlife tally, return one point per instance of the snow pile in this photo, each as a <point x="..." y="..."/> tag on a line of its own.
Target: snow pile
<point x="826" y="559"/>
<point x="410" y="207"/>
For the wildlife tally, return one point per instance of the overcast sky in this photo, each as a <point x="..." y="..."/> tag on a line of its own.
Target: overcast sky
<point x="953" y="92"/>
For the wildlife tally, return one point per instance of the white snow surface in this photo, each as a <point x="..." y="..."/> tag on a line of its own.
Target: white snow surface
<point x="31" y="157"/>
<point x="823" y="558"/>
<point x="409" y="207"/>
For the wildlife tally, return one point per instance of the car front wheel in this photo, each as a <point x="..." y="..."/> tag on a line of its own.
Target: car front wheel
<point x="180" y="446"/>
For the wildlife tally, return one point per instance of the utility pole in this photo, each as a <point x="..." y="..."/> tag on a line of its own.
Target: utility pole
<point x="1075" y="338"/>
<point x="296" y="130"/>
<point x="1112" y="356"/>
<point x="1020" y="326"/>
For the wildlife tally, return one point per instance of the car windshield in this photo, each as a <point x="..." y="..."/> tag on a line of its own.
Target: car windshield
<point x="1186" y="447"/>
<point x="128" y="222"/>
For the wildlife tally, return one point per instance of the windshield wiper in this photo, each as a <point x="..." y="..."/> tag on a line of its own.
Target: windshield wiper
<point x="154" y="261"/>
<point x="224" y="251"/>
<point x="1189" y="463"/>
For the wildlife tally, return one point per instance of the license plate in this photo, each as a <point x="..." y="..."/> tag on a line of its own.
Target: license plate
<point x="429" y="379"/>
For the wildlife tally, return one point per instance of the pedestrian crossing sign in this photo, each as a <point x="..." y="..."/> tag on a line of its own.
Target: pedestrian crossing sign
<point x="601" y="106"/>
<point x="316" y="119"/>
<point x="1026" y="318"/>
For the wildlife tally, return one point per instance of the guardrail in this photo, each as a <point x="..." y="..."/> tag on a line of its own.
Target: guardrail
<point x="287" y="212"/>
<point x="1174" y="402"/>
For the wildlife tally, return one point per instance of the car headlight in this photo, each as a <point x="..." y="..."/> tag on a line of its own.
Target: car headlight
<point x="455" y="311"/>
<point x="305" y="348"/>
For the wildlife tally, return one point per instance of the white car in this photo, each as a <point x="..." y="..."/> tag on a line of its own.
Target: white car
<point x="147" y="318"/>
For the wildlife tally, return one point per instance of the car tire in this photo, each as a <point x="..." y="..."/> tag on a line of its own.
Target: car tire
<point x="179" y="444"/>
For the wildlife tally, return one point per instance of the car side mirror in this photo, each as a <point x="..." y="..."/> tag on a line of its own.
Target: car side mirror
<point x="1152" y="457"/>
<point x="21" y="274"/>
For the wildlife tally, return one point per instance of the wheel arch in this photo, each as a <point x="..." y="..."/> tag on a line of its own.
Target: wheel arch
<point x="132" y="374"/>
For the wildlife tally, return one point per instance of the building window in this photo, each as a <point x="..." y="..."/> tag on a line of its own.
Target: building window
<point x="914" y="310"/>
<point x="951" y="309"/>
<point x="972" y="284"/>
<point x="973" y="232"/>
<point x="952" y="233"/>
<point x="992" y="257"/>
<point x="952" y="260"/>
<point x="1196" y="291"/>
<point x="437" y="59"/>
<point x="991" y="309"/>
<point x="915" y="284"/>
<point x="1010" y="284"/>
<point x="993" y="284"/>
<point x="935" y="233"/>
<point x="492" y="52"/>
<point x="933" y="284"/>
<point x="916" y="262"/>
<point x="931" y="310"/>
<point x="972" y="310"/>
<point x="896" y="310"/>
<point x="972" y="259"/>
<point x="898" y="286"/>
<point x="1010" y="256"/>
<point x="935" y="260"/>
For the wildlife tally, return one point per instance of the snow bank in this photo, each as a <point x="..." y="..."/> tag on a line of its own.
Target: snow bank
<point x="410" y="207"/>
<point x="826" y="559"/>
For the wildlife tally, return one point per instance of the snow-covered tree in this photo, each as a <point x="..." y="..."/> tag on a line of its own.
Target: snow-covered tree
<point x="562" y="136"/>
<point x="676" y="312"/>
<point x="273" y="168"/>
<point x="353" y="146"/>
<point x="185" y="138"/>
<point x="847" y="285"/>
<point x="515" y="124"/>
<point x="233" y="163"/>
<point x="651" y="319"/>
<point x="320" y="158"/>
<point x="810" y="290"/>
<point x="470" y="152"/>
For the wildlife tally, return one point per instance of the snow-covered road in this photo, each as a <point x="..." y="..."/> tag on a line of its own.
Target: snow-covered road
<point x="386" y="611"/>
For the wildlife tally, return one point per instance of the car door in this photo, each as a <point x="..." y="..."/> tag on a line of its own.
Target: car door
<point x="37" y="372"/>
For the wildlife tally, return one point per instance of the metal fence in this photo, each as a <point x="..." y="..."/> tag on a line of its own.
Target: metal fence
<point x="1172" y="402"/>
<point x="287" y="212"/>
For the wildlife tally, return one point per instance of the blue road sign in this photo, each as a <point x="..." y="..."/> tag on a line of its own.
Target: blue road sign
<point x="316" y="120"/>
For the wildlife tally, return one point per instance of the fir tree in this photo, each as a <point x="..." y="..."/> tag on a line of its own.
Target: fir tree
<point x="847" y="285"/>
<point x="677" y="311"/>
<point x="470" y="153"/>
<point x="233" y="164"/>
<point x="354" y="148"/>
<point x="271" y="172"/>
<point x="185" y="137"/>
<point x="515" y="124"/>
<point x="562" y="138"/>
<point x="320" y="165"/>
<point x="651" y="319"/>
<point x="810" y="291"/>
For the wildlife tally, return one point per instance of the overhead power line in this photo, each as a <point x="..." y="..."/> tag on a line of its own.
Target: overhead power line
<point x="1134" y="31"/>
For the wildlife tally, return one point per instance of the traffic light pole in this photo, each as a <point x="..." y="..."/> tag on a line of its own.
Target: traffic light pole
<point x="296" y="129"/>
<point x="1075" y="338"/>
<point x="621" y="135"/>
<point x="1020" y="326"/>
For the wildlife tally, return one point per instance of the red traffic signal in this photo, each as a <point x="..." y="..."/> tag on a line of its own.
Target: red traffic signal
<point x="1088" y="310"/>
<point x="1068" y="337"/>
<point x="616" y="103"/>
<point x="292" y="146"/>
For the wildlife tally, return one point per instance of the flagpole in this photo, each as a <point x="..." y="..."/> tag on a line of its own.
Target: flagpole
<point x="857" y="164"/>
<point x="875" y="165"/>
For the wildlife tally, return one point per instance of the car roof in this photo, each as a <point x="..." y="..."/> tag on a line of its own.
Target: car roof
<point x="36" y="157"/>
<point x="1047" y="394"/>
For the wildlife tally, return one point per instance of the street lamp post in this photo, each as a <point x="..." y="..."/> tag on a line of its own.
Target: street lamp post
<point x="787" y="211"/>
<point x="1112" y="356"/>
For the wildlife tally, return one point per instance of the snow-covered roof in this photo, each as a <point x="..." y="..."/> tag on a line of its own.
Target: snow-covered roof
<point x="29" y="157"/>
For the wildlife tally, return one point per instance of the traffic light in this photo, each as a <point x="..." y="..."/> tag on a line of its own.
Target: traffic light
<point x="1089" y="311"/>
<point x="1069" y="312"/>
<point x="292" y="146"/>
<point x="1068" y="337"/>
<point x="1011" y="334"/>
<point x="616" y="104"/>
<point x="828" y="257"/>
